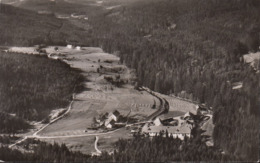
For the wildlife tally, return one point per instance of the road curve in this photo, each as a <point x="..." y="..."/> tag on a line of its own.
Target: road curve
<point x="34" y="135"/>
<point x="96" y="141"/>
<point x="163" y="107"/>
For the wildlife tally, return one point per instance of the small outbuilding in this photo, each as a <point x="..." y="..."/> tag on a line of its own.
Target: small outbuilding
<point x="78" y="48"/>
<point x="69" y="46"/>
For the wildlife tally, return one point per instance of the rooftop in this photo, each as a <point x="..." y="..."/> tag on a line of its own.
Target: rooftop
<point x="186" y="128"/>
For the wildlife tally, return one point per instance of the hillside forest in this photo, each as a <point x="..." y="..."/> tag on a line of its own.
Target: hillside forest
<point x="32" y="86"/>
<point x="194" y="49"/>
<point x="189" y="48"/>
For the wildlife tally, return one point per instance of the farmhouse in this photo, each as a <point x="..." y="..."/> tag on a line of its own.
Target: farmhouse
<point x="111" y="119"/>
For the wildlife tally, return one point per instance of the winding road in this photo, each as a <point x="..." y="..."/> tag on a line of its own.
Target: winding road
<point x="35" y="134"/>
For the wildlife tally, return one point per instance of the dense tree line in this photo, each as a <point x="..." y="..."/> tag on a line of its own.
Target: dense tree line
<point x="43" y="152"/>
<point x="194" y="48"/>
<point x="163" y="149"/>
<point x="31" y="86"/>
<point x="8" y="139"/>
<point x="138" y="149"/>
<point x="11" y="124"/>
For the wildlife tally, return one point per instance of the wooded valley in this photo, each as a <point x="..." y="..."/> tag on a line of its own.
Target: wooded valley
<point x="189" y="48"/>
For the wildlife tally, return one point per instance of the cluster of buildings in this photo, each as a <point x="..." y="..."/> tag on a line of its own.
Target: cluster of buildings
<point x="177" y="127"/>
<point x="180" y="126"/>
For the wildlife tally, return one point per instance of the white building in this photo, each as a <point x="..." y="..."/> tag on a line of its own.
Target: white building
<point x="78" y="48"/>
<point x="175" y="131"/>
<point x="157" y="122"/>
<point x="69" y="46"/>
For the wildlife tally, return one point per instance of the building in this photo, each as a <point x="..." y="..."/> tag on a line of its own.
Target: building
<point x="201" y="109"/>
<point x="170" y="122"/>
<point x="175" y="131"/>
<point x="188" y="116"/>
<point x="113" y="116"/>
<point x="69" y="46"/>
<point x="157" y="122"/>
<point x="110" y="124"/>
<point x="78" y="48"/>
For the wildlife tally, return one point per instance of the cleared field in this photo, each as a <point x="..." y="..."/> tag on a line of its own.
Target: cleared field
<point x="96" y="99"/>
<point x="86" y="144"/>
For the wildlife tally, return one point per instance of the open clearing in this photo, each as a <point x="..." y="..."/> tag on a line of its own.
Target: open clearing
<point x="100" y="96"/>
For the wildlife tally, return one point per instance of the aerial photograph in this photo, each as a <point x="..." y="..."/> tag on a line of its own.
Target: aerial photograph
<point x="129" y="81"/>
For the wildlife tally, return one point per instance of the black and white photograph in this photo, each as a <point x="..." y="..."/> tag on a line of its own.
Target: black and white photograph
<point x="129" y="81"/>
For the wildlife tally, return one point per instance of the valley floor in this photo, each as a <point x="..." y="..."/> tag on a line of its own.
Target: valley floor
<point x="99" y="97"/>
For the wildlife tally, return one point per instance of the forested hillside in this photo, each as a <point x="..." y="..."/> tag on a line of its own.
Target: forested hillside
<point x="31" y="86"/>
<point x="188" y="47"/>
<point x="43" y="152"/>
<point x="194" y="47"/>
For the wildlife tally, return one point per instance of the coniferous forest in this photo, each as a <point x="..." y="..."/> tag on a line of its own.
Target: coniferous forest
<point x="138" y="149"/>
<point x="196" y="47"/>
<point x="189" y="48"/>
<point x="31" y="86"/>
